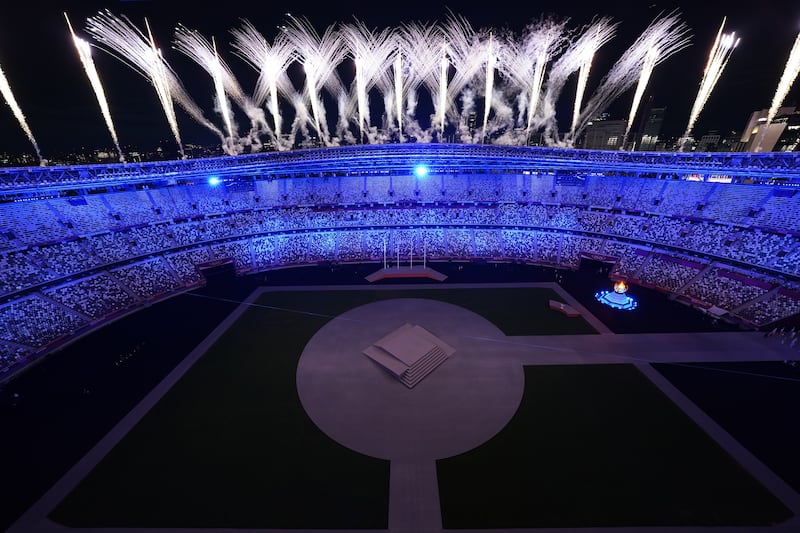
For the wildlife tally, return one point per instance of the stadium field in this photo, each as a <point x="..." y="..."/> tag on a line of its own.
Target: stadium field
<point x="230" y="445"/>
<point x="754" y="401"/>
<point x="592" y="443"/>
<point x="599" y="445"/>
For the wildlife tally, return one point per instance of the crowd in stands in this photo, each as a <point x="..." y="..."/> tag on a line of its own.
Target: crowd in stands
<point x="34" y="321"/>
<point x="148" y="278"/>
<point x="96" y="296"/>
<point x="778" y="211"/>
<point x="33" y="264"/>
<point x="764" y="311"/>
<point x="572" y="247"/>
<point x="639" y="194"/>
<point x="185" y="263"/>
<point x="682" y="198"/>
<point x="662" y="271"/>
<point x="10" y="354"/>
<point x="488" y="243"/>
<point x="65" y="261"/>
<point x="724" y="292"/>
<point x="631" y="258"/>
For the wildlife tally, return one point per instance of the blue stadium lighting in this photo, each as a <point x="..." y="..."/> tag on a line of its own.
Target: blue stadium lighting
<point x="421" y="171"/>
<point x="617" y="298"/>
<point x="214" y="180"/>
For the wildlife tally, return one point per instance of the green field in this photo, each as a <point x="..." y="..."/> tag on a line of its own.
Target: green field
<point x="599" y="445"/>
<point x="230" y="445"/>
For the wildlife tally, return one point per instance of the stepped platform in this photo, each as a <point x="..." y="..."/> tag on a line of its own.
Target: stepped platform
<point x="410" y="353"/>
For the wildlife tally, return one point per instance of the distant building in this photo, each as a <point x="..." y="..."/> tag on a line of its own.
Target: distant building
<point x="709" y="142"/>
<point x="472" y="121"/>
<point x="646" y="137"/>
<point x="730" y="142"/>
<point x="789" y="141"/>
<point x="758" y="136"/>
<point x="604" y="134"/>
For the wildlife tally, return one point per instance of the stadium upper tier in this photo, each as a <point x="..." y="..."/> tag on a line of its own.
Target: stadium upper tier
<point x="441" y="158"/>
<point x="85" y="247"/>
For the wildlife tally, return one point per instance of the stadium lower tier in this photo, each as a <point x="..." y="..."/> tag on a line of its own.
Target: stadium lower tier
<point x="71" y="259"/>
<point x="59" y="290"/>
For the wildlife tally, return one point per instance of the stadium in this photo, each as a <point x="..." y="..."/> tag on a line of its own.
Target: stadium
<point x="84" y="244"/>
<point x="187" y="314"/>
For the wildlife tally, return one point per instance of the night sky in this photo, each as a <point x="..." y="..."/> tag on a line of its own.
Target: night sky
<point x="48" y="81"/>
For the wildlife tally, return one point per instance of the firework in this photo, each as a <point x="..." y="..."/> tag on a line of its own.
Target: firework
<point x="5" y="89"/>
<point x="721" y="51"/>
<point x="84" y="50"/>
<point x="271" y="62"/>
<point x="664" y="37"/>
<point x="319" y="55"/>
<point x="790" y="72"/>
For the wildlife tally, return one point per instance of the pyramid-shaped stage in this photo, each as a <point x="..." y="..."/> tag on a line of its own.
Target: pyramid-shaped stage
<point x="410" y="353"/>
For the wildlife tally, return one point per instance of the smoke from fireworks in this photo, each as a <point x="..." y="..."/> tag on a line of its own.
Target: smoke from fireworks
<point x="573" y="59"/>
<point x="524" y="62"/>
<point x="271" y="62"/>
<point x="319" y="55"/>
<point x="371" y="54"/>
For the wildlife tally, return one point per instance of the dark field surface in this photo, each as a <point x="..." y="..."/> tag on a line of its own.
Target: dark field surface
<point x="230" y="444"/>
<point x="758" y="403"/>
<point x="58" y="409"/>
<point x="599" y="445"/>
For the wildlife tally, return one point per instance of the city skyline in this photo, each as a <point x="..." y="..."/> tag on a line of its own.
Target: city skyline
<point x="50" y="86"/>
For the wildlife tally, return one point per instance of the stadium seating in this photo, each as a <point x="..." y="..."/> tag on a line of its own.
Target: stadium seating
<point x="78" y="259"/>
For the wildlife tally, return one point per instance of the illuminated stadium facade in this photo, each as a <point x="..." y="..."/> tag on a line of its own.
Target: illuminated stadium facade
<point x="81" y="245"/>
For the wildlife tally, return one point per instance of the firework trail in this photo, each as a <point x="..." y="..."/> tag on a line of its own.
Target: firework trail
<point x="647" y="70"/>
<point x="589" y="48"/>
<point x="491" y="59"/>
<point x="271" y="62"/>
<point x="428" y="56"/>
<point x="593" y="37"/>
<point x="468" y="52"/>
<point x="5" y="89"/>
<point x="397" y="69"/>
<point x="721" y="51"/>
<point x="664" y="37"/>
<point x="122" y="39"/>
<point x="524" y="62"/>
<point x="205" y="54"/>
<point x="84" y="50"/>
<point x="372" y="55"/>
<point x="519" y="78"/>
<point x="319" y="57"/>
<point x="441" y="108"/>
<point x="790" y="73"/>
<point x="199" y="50"/>
<point x="140" y="52"/>
<point x="420" y="45"/>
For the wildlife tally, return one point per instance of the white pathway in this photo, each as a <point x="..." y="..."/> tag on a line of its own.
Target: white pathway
<point x="406" y="426"/>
